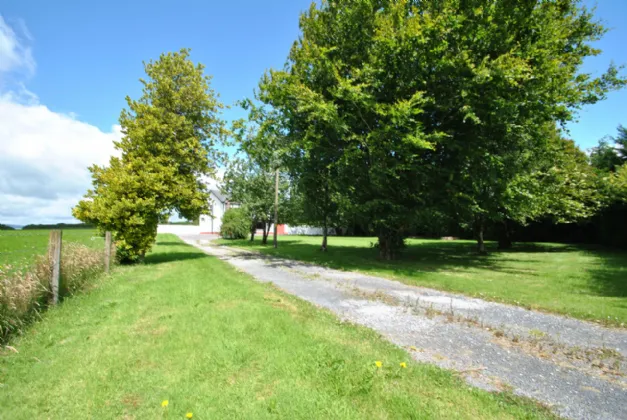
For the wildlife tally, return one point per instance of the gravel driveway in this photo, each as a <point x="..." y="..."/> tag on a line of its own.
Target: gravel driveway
<point x="575" y="367"/>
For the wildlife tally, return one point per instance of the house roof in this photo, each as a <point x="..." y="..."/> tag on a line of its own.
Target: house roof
<point x="218" y="194"/>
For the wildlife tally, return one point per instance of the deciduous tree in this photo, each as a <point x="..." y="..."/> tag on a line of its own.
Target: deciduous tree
<point x="249" y="184"/>
<point x="432" y="102"/>
<point x="170" y="134"/>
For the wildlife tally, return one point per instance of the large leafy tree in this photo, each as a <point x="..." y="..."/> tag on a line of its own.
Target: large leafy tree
<point x="510" y="69"/>
<point x="314" y="170"/>
<point x="357" y="137"/>
<point x="432" y="102"/>
<point x="170" y="134"/>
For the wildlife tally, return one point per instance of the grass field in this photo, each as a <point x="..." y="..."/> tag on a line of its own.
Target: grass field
<point x="19" y="247"/>
<point x="585" y="283"/>
<point x="190" y="329"/>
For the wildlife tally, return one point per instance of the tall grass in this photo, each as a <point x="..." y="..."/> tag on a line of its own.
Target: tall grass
<point x="25" y="292"/>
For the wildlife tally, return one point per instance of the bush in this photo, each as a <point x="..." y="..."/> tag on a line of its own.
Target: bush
<point x="25" y="292"/>
<point x="235" y="224"/>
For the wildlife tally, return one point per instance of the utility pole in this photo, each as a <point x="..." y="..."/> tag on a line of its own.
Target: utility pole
<point x="276" y="205"/>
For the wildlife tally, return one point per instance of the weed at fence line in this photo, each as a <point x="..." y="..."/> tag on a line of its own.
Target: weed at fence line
<point x="24" y="292"/>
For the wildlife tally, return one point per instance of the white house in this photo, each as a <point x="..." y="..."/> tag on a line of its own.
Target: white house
<point x="219" y="205"/>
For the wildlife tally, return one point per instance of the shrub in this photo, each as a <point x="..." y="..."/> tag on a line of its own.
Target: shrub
<point x="24" y="293"/>
<point x="235" y="224"/>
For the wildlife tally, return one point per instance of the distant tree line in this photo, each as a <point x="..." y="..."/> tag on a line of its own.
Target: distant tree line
<point x="5" y="227"/>
<point x="63" y="226"/>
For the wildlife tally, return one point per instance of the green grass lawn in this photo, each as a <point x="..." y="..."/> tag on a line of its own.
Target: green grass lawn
<point x="19" y="247"/>
<point x="190" y="329"/>
<point x="582" y="282"/>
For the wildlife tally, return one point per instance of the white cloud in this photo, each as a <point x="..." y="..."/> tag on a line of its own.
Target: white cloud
<point x="15" y="53"/>
<point x="43" y="161"/>
<point x="44" y="155"/>
<point x="19" y="94"/>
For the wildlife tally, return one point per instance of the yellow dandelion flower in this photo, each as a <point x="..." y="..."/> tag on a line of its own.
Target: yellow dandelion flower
<point x="189" y="415"/>
<point x="378" y="364"/>
<point x="165" y="403"/>
<point x="403" y="365"/>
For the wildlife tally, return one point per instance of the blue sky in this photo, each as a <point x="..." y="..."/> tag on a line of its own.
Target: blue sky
<point x="65" y="69"/>
<point x="89" y="53"/>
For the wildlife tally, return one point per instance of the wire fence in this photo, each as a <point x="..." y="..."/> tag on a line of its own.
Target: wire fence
<point x="16" y="256"/>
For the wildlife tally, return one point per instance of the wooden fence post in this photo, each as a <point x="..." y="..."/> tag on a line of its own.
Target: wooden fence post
<point x="54" y="255"/>
<point x="107" y="252"/>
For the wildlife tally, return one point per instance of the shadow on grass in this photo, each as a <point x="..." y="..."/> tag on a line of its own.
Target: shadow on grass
<point x="164" y="257"/>
<point x="608" y="277"/>
<point x="172" y="243"/>
<point x="177" y="251"/>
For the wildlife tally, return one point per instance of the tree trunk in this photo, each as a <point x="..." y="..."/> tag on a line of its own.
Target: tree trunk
<point x="480" y="242"/>
<point x="326" y="217"/>
<point x="324" y="236"/>
<point x="266" y="231"/>
<point x="252" y="233"/>
<point x="505" y="239"/>
<point x="390" y="243"/>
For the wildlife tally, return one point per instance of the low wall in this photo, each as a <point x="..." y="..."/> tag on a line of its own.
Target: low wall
<point x="307" y="230"/>
<point x="179" y="229"/>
